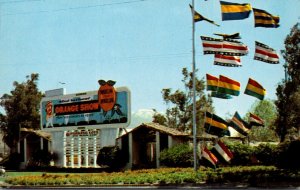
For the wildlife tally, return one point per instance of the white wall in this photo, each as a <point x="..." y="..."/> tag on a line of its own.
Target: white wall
<point x="57" y="146"/>
<point x="108" y="137"/>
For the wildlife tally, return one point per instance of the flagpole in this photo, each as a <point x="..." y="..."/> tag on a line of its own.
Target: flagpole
<point x="194" y="89"/>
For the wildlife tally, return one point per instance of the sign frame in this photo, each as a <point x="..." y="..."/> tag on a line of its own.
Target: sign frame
<point x="75" y="105"/>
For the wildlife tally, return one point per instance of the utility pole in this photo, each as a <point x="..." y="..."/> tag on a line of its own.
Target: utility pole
<point x="194" y="89"/>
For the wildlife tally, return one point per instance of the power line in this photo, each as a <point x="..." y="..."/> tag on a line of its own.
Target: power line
<point x="20" y="1"/>
<point x="71" y="8"/>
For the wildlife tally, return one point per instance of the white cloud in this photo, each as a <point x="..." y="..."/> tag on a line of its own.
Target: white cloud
<point x="141" y="116"/>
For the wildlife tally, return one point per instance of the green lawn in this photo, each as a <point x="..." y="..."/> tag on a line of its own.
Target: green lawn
<point x="16" y="174"/>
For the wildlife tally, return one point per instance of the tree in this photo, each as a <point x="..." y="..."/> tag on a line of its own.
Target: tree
<point x="179" y="112"/>
<point x="159" y="118"/>
<point x="22" y="110"/>
<point x="288" y="91"/>
<point x="266" y="110"/>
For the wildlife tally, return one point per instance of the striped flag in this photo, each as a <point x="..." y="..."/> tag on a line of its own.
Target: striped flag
<point x="215" y="125"/>
<point x="209" y="156"/>
<point x="211" y="45"/>
<point x="235" y="11"/>
<point x="255" y="120"/>
<point x="221" y="151"/>
<point x="255" y="89"/>
<point x="198" y="17"/>
<point x="265" y="19"/>
<point x="239" y="125"/>
<point x="211" y="82"/>
<point x="228" y="86"/>
<point x="225" y="47"/>
<point x="265" y="53"/>
<point x="234" y="48"/>
<point x="227" y="60"/>
<point x="216" y="94"/>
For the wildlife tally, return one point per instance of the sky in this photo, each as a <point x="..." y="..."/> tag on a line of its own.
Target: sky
<point x="141" y="44"/>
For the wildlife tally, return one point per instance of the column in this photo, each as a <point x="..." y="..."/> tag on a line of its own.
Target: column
<point x="25" y="150"/>
<point x="72" y="152"/>
<point x="95" y="148"/>
<point x="86" y="151"/>
<point x="19" y="147"/>
<point x="170" y="141"/>
<point x="42" y="143"/>
<point x="64" y="150"/>
<point x="130" y="150"/>
<point x="50" y="146"/>
<point x="79" y="151"/>
<point x="157" y="149"/>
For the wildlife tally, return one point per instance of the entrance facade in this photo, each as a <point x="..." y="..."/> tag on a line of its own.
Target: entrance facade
<point x="81" y="148"/>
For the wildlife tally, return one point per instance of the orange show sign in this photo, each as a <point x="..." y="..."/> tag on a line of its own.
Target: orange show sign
<point x="107" y="97"/>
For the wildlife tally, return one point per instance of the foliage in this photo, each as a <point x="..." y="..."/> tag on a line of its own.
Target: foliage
<point x="22" y="110"/>
<point x="266" y="110"/>
<point x="254" y="175"/>
<point x="12" y="162"/>
<point x="289" y="155"/>
<point x="179" y="112"/>
<point x="267" y="154"/>
<point x="112" y="157"/>
<point x="288" y="92"/>
<point x="159" y="118"/>
<point x="242" y="154"/>
<point x="284" y="155"/>
<point x="40" y="158"/>
<point x="180" y="155"/>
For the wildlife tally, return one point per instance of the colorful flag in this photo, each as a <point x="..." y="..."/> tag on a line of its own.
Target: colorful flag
<point x="265" y="53"/>
<point x="264" y="19"/>
<point x="235" y="11"/>
<point x="234" y="48"/>
<point x="227" y="60"/>
<point x="253" y="88"/>
<point x="239" y="125"/>
<point x="209" y="156"/>
<point x="255" y="120"/>
<point x="221" y="151"/>
<point x="198" y="17"/>
<point x="228" y="86"/>
<point x="216" y="94"/>
<point x="211" y="82"/>
<point x="211" y="45"/>
<point x="215" y="125"/>
<point x="229" y="36"/>
<point x="225" y="47"/>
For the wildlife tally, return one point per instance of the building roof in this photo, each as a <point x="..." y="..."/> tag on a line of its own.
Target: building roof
<point x="39" y="133"/>
<point x="158" y="127"/>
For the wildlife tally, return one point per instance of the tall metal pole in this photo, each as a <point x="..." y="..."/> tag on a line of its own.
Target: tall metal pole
<point x="194" y="90"/>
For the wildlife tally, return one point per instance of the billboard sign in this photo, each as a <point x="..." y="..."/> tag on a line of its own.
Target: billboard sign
<point x="68" y="112"/>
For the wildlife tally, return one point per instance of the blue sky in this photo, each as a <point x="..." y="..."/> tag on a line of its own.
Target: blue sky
<point x="140" y="44"/>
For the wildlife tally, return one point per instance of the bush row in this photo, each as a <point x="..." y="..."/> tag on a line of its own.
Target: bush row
<point x="252" y="175"/>
<point x="283" y="155"/>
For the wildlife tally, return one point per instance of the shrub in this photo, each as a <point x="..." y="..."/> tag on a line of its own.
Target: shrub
<point x="13" y="161"/>
<point x="242" y="154"/>
<point x="180" y="155"/>
<point x="289" y="155"/>
<point x="112" y="157"/>
<point x="40" y="158"/>
<point x="266" y="154"/>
